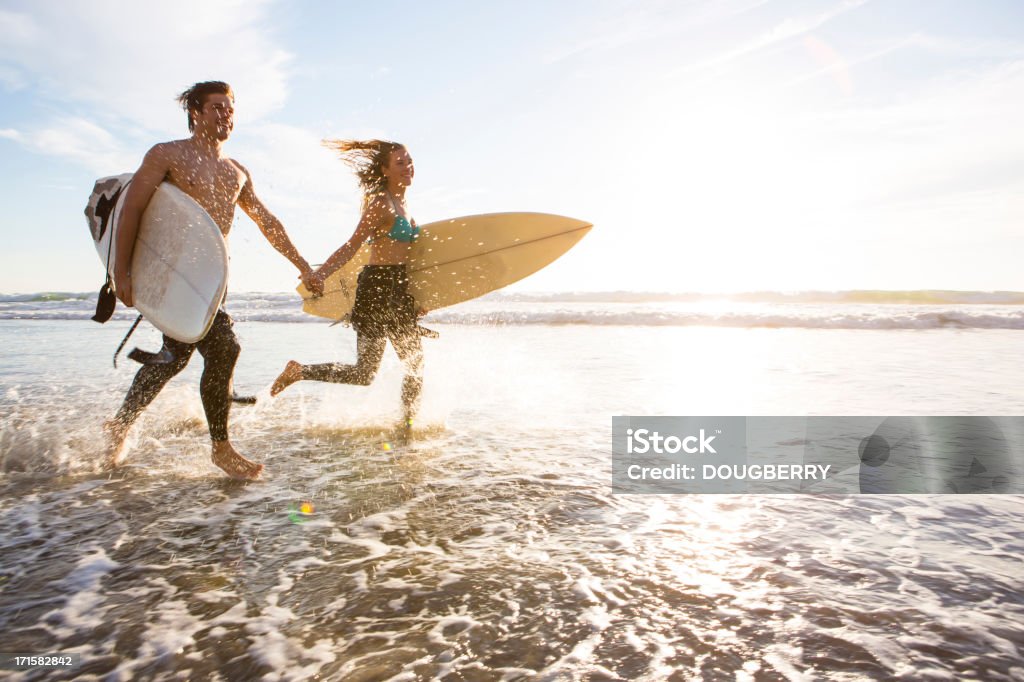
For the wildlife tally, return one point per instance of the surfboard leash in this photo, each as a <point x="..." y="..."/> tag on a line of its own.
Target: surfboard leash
<point x="125" y="339"/>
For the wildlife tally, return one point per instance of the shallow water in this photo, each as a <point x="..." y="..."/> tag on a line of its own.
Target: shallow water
<point x="491" y="547"/>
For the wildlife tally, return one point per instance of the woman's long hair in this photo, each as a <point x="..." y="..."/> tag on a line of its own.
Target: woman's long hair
<point x="367" y="158"/>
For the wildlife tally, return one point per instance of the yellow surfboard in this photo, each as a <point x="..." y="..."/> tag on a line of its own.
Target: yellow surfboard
<point x="459" y="259"/>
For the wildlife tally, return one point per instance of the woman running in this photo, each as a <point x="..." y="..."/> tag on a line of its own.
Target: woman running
<point x="383" y="308"/>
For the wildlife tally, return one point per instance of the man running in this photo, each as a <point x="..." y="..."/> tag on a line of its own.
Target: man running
<point x="197" y="167"/>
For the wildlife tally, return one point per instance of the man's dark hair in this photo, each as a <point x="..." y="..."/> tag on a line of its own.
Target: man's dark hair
<point x="194" y="99"/>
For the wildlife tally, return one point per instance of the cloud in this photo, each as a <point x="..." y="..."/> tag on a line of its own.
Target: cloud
<point x="782" y="31"/>
<point x="120" y="65"/>
<point x="938" y="160"/>
<point x="832" y="63"/>
<point x="291" y="167"/>
<point x="958" y="49"/>
<point x="17" y="28"/>
<point x="11" y="79"/>
<point x="628" y="24"/>
<point x="78" y="140"/>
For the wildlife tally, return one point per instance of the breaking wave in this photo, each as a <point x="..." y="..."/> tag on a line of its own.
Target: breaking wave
<point x="806" y="310"/>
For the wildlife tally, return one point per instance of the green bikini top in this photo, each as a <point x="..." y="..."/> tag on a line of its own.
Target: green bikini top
<point x="402" y="230"/>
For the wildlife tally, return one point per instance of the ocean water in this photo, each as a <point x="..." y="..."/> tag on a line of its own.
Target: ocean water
<point x="491" y="545"/>
<point x="806" y="310"/>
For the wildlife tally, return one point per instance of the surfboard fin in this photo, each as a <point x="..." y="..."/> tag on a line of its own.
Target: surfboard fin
<point x="344" y="319"/>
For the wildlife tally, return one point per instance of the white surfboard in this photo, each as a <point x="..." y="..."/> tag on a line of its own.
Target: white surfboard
<point x="180" y="261"/>
<point x="459" y="259"/>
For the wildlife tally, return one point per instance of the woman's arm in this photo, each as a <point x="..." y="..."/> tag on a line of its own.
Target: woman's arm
<point x="373" y="216"/>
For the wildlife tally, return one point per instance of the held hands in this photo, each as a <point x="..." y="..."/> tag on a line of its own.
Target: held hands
<point x="314" y="281"/>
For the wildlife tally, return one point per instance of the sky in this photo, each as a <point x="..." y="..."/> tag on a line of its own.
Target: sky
<point x="716" y="146"/>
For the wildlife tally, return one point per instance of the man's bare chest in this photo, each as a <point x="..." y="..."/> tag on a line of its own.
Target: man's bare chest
<point x="214" y="185"/>
<point x="218" y="181"/>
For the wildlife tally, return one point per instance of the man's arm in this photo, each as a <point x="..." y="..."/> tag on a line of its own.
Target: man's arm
<point x="151" y="173"/>
<point x="270" y="226"/>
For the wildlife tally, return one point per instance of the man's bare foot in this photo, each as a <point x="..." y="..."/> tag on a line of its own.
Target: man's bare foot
<point x="234" y="465"/>
<point x="292" y="373"/>
<point x="116" y="434"/>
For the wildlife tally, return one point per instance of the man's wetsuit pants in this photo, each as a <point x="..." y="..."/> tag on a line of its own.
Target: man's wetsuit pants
<point x="219" y="349"/>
